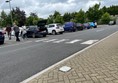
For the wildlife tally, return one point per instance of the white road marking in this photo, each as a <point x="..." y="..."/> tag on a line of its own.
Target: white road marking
<point x="59" y="41"/>
<point x="89" y="42"/>
<point x="50" y="40"/>
<point x="16" y="44"/>
<point x="41" y="40"/>
<point x="100" y="30"/>
<point x="74" y="41"/>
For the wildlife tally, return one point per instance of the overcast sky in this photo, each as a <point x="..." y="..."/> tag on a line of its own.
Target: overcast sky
<point x="44" y="8"/>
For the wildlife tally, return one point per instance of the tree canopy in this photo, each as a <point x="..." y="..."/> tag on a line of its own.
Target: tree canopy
<point x="93" y="13"/>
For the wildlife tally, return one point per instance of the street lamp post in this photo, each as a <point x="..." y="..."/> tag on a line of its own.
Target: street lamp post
<point x="8" y="1"/>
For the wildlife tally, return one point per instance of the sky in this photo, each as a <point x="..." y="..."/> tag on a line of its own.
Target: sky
<point x="44" y="8"/>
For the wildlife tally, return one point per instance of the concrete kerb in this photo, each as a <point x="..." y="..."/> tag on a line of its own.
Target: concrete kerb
<point x="38" y="74"/>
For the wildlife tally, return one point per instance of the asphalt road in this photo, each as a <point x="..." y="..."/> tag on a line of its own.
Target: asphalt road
<point x="19" y="61"/>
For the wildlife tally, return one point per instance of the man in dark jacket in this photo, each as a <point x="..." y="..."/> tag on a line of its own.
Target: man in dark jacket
<point x="16" y="30"/>
<point x="8" y="30"/>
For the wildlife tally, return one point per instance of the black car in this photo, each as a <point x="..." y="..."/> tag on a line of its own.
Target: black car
<point x="35" y="31"/>
<point x="2" y="37"/>
<point x="79" y="26"/>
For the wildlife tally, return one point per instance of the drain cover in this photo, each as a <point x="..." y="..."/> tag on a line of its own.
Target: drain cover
<point x="65" y="69"/>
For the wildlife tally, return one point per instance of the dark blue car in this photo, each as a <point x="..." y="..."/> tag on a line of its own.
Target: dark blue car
<point x="2" y="37"/>
<point x="70" y="26"/>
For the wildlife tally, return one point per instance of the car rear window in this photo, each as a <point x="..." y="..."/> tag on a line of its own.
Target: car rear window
<point x="51" y="26"/>
<point x="33" y="28"/>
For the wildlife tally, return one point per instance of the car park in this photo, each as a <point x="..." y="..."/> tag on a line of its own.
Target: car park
<point x="70" y="26"/>
<point x="35" y="31"/>
<point x="55" y="28"/>
<point x="2" y="37"/>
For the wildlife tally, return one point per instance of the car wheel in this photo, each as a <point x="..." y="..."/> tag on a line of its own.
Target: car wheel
<point x="2" y="42"/>
<point x="54" y="32"/>
<point x="44" y="35"/>
<point x="33" y="35"/>
<point x="61" y="32"/>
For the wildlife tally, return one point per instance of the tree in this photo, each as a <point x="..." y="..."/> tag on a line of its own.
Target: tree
<point x="19" y="16"/>
<point x="59" y="19"/>
<point x="80" y="16"/>
<point x="67" y="17"/>
<point x="32" y="19"/>
<point x="50" y="19"/>
<point x="94" y="13"/>
<point x="105" y="18"/>
<point x="55" y="18"/>
<point x="3" y="19"/>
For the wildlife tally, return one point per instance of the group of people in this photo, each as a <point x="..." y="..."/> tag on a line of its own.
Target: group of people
<point x="16" y="32"/>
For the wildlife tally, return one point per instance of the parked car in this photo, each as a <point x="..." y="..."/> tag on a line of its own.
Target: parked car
<point x="79" y="26"/>
<point x="70" y="26"/>
<point x="35" y="31"/>
<point x="112" y="23"/>
<point x="86" y="26"/>
<point x="2" y="37"/>
<point x="55" y="28"/>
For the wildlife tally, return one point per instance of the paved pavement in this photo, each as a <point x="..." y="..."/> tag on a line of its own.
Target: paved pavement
<point x="97" y="64"/>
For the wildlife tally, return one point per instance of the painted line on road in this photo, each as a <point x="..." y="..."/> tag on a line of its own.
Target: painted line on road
<point x="45" y="70"/>
<point x="59" y="41"/>
<point x="41" y="40"/>
<point x="16" y="44"/>
<point x="89" y="42"/>
<point x="73" y="41"/>
<point x="100" y="30"/>
<point x="50" y="40"/>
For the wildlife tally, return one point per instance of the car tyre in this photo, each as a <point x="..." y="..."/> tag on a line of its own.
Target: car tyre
<point x="61" y="32"/>
<point x="2" y="42"/>
<point x="54" y="32"/>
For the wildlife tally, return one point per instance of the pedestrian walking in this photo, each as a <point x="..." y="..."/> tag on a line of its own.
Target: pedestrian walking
<point x="24" y="32"/>
<point x="8" y="30"/>
<point x="16" y="30"/>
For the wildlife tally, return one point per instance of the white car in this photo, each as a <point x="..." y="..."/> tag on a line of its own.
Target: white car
<point x="55" y="28"/>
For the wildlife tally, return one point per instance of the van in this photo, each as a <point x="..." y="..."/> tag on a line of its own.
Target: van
<point x="70" y="26"/>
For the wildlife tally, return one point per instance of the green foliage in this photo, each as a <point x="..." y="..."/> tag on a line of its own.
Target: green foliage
<point x="67" y="17"/>
<point x="94" y="13"/>
<point x="105" y="18"/>
<point x="55" y="18"/>
<point x="19" y="16"/>
<point x="80" y="16"/>
<point x="3" y="19"/>
<point x="32" y="19"/>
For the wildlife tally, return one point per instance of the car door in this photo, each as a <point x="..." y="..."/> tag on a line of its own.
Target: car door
<point x="50" y="28"/>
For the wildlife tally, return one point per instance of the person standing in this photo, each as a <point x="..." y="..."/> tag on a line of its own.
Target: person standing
<point x="24" y="32"/>
<point x="16" y="30"/>
<point x="8" y="30"/>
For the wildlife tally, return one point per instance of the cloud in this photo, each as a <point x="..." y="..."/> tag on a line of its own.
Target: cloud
<point x="46" y="7"/>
